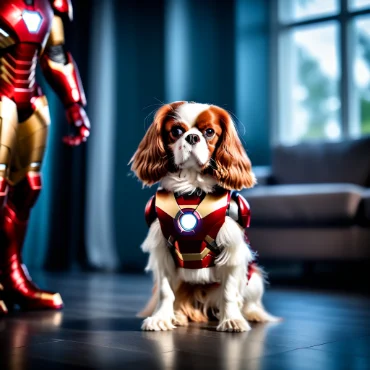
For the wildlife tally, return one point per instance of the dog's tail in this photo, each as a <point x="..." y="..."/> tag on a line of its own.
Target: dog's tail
<point x="149" y="308"/>
<point x="253" y="309"/>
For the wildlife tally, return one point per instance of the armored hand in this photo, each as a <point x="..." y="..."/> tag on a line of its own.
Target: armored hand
<point x="78" y="119"/>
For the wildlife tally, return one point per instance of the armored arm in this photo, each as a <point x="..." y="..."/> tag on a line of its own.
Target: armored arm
<point x="239" y="210"/>
<point x="62" y="74"/>
<point x="150" y="212"/>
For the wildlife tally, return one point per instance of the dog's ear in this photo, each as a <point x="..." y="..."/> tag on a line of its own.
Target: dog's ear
<point x="150" y="161"/>
<point x="233" y="167"/>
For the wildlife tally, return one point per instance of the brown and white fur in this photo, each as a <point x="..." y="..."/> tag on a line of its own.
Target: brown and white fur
<point x="215" y="156"/>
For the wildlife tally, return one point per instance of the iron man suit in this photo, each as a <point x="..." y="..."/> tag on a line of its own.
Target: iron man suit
<point x="190" y="223"/>
<point x="31" y="31"/>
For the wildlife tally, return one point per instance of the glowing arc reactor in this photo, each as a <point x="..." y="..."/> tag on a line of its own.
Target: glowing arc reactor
<point x="188" y="221"/>
<point x="32" y="20"/>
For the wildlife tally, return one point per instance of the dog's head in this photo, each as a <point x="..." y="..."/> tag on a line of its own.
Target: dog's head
<point x="194" y="136"/>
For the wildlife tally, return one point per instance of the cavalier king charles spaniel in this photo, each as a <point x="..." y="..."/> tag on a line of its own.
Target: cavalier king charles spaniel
<point x="198" y="252"/>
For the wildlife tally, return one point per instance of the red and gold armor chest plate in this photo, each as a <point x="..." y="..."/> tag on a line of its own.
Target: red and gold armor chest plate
<point x="190" y="223"/>
<point x="24" y="30"/>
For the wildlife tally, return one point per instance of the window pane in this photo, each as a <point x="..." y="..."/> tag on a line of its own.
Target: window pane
<point x="359" y="4"/>
<point x="362" y="75"/>
<point x="309" y="76"/>
<point x="296" y="10"/>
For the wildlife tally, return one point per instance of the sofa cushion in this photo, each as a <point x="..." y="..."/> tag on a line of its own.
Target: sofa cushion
<point x="263" y="175"/>
<point x="317" y="162"/>
<point x="304" y="205"/>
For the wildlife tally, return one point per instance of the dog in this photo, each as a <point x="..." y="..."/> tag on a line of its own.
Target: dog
<point x="198" y="251"/>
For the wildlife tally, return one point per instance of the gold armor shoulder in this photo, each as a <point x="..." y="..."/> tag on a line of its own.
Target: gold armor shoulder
<point x="166" y="201"/>
<point x="56" y="36"/>
<point x="213" y="202"/>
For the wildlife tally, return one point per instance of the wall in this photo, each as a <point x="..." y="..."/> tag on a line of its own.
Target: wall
<point x="253" y="78"/>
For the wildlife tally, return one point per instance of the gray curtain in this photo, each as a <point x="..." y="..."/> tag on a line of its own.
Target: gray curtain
<point x="100" y="164"/>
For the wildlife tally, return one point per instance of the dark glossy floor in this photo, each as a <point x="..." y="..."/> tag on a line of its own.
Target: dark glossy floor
<point x="98" y="330"/>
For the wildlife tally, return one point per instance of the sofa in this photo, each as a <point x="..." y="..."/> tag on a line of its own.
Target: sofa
<point x="313" y="203"/>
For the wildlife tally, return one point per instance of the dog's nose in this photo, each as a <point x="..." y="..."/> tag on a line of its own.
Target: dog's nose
<point x="192" y="139"/>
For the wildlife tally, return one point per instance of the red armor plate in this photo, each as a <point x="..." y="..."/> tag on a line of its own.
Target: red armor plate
<point x="63" y="7"/>
<point x="244" y="213"/>
<point x="18" y="64"/>
<point x="150" y="213"/>
<point x="192" y="247"/>
<point x="12" y="22"/>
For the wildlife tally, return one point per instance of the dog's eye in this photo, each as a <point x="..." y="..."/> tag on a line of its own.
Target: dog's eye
<point x="209" y="133"/>
<point x="177" y="131"/>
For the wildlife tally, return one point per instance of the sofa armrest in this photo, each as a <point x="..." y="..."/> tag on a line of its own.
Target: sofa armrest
<point x="264" y="175"/>
<point x="305" y="204"/>
<point x="365" y="205"/>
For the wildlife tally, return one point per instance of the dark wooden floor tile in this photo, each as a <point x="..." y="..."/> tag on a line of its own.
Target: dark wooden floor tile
<point x="306" y="332"/>
<point x="220" y="346"/>
<point x="181" y="360"/>
<point x="78" y="355"/>
<point x="16" y="362"/>
<point x="356" y="346"/>
<point x="24" y="329"/>
<point x="98" y="330"/>
<point x="309" y="359"/>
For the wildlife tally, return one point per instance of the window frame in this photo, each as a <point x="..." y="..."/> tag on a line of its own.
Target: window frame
<point x="345" y="21"/>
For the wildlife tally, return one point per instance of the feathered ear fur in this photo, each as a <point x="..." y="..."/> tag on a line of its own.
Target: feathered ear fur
<point x="233" y="167"/>
<point x="150" y="161"/>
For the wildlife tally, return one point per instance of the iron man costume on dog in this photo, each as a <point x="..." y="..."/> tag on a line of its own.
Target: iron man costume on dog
<point x="190" y="223"/>
<point x="30" y="31"/>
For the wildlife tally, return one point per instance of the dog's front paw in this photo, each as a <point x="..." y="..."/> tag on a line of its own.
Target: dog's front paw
<point x="234" y="325"/>
<point x="157" y="323"/>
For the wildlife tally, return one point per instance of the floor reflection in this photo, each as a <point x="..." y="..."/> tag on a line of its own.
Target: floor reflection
<point x="231" y="350"/>
<point x="19" y="331"/>
<point x="98" y="330"/>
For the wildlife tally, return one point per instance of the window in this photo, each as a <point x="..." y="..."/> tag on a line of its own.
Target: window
<point x="322" y="69"/>
<point x="362" y="74"/>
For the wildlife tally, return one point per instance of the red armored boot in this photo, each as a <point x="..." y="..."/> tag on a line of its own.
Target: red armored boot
<point x="3" y="194"/>
<point x="17" y="285"/>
